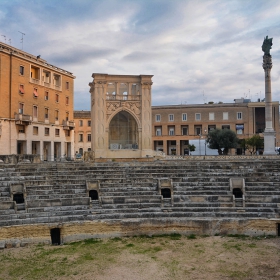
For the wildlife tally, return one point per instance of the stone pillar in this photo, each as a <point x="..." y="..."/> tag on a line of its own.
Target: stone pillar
<point x="269" y="133"/>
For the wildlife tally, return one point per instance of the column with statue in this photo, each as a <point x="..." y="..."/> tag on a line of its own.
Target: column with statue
<point x="269" y="133"/>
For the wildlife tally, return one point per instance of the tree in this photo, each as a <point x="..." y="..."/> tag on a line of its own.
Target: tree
<point x="192" y="148"/>
<point x="253" y="143"/>
<point x="222" y="140"/>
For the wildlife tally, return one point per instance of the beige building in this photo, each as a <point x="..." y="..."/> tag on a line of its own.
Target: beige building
<point x="36" y="106"/>
<point x="173" y="126"/>
<point x="121" y="120"/>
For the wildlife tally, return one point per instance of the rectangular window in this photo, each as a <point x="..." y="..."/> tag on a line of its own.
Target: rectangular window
<point x="81" y="138"/>
<point x="21" y="89"/>
<point x="184" y="117"/>
<point x="197" y="117"/>
<point x="225" y="115"/>
<point x="46" y="113"/>
<point x="35" y="111"/>
<point x="35" y="130"/>
<point x="171" y="117"/>
<point x="184" y="129"/>
<point x="21" y="129"/>
<point x="67" y="132"/>
<point x="57" y="132"/>
<point x="67" y="116"/>
<point x="56" y="98"/>
<point x="211" y="127"/>
<point x="20" y="108"/>
<point x="21" y="70"/>
<point x="67" y="100"/>
<point x="197" y="130"/>
<point x="56" y="114"/>
<point x="35" y="92"/>
<point x="80" y="122"/>
<point x="239" y="129"/>
<point x="67" y="85"/>
<point x="171" y="130"/>
<point x="46" y="95"/>
<point x="239" y="115"/>
<point x="157" y="118"/>
<point x="158" y="130"/>
<point x="225" y="126"/>
<point x="211" y="116"/>
<point x="89" y="137"/>
<point x="47" y="131"/>
<point x="89" y="123"/>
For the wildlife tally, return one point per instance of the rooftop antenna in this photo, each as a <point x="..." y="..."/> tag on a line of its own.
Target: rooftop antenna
<point x="4" y="37"/>
<point x="204" y="98"/>
<point x="21" y="40"/>
<point x="10" y="41"/>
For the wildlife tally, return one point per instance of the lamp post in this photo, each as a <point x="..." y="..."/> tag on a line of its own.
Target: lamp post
<point x="199" y="145"/>
<point x="205" y="131"/>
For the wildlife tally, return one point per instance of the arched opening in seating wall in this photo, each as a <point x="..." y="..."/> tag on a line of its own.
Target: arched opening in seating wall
<point x="55" y="236"/>
<point x="237" y="192"/>
<point x="18" y="198"/>
<point x="93" y="194"/>
<point x="166" y="193"/>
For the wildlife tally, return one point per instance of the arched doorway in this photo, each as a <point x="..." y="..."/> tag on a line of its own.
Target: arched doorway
<point x="123" y="132"/>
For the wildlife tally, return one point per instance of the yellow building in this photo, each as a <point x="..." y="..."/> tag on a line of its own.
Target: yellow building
<point x="82" y="136"/>
<point x="36" y="106"/>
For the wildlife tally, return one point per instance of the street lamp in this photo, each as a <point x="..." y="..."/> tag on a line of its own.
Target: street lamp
<point x="205" y="131"/>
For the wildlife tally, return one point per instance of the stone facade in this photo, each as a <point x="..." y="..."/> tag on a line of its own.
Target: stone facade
<point x="36" y="106"/>
<point x="121" y="116"/>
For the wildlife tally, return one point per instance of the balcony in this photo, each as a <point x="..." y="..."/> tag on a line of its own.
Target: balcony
<point x="23" y="119"/>
<point x="45" y="84"/>
<point x="120" y="97"/>
<point x="68" y="125"/>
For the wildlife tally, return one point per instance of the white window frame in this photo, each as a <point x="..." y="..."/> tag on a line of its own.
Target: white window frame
<point x="211" y="116"/>
<point x="184" y="117"/>
<point x="171" y="117"/>
<point x="171" y="131"/>
<point x="239" y="115"/>
<point x="225" y="116"/>
<point x="198" y="116"/>
<point x="158" y="117"/>
<point x="158" y="132"/>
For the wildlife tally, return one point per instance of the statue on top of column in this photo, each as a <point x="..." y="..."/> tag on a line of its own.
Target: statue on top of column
<point x="266" y="46"/>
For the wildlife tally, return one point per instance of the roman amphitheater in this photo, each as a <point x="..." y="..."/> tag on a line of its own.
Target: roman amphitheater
<point x="57" y="202"/>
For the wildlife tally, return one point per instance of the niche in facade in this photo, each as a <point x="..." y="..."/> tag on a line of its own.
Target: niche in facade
<point x="93" y="194"/>
<point x="18" y="198"/>
<point x="166" y="193"/>
<point x="237" y="193"/>
<point x="278" y="229"/>
<point x="55" y="236"/>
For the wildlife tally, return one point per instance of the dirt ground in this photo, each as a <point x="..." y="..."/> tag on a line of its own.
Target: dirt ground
<point x="151" y="258"/>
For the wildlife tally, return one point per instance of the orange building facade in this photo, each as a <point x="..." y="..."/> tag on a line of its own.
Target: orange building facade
<point x="36" y="106"/>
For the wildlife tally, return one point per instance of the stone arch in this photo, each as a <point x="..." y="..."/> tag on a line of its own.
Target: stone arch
<point x="123" y="130"/>
<point x="128" y="111"/>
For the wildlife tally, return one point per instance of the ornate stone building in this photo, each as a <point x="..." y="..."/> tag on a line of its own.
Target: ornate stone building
<point x="121" y="119"/>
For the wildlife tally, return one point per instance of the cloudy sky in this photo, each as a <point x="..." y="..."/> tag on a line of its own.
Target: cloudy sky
<point x="197" y="50"/>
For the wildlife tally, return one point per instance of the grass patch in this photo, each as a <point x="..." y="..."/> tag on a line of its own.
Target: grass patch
<point x="191" y="236"/>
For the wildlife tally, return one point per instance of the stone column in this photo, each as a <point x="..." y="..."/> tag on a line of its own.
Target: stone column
<point x="269" y="133"/>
